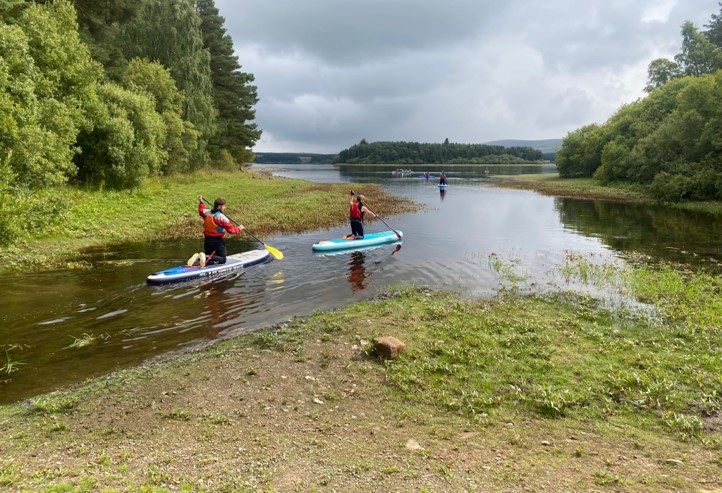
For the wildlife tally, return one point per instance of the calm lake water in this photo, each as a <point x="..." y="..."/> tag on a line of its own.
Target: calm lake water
<point x="447" y="246"/>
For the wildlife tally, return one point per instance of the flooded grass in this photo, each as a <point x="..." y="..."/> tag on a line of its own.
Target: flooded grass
<point x="555" y="391"/>
<point x="10" y="365"/>
<point x="87" y="339"/>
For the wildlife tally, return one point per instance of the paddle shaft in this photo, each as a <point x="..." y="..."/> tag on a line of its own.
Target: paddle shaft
<point x="380" y="219"/>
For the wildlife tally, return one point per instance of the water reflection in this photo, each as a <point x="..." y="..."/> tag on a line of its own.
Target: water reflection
<point x="357" y="274"/>
<point x="442" y="193"/>
<point x="653" y="230"/>
<point x="216" y="308"/>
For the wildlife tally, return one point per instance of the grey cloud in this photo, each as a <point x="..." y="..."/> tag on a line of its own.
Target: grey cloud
<point x="330" y="72"/>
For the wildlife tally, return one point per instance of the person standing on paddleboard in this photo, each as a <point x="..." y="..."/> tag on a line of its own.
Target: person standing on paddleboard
<point x="356" y="215"/>
<point x="215" y="226"/>
<point x="442" y="178"/>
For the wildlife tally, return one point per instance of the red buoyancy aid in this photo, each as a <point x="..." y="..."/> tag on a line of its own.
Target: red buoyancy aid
<point x="355" y="212"/>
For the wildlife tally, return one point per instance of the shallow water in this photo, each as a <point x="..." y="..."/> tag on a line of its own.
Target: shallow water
<point x="63" y="326"/>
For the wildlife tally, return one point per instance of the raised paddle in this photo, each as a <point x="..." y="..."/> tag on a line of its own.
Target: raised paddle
<point x="380" y="218"/>
<point x="275" y="252"/>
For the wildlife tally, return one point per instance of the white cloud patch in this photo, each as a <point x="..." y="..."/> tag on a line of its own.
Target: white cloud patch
<point x="659" y="12"/>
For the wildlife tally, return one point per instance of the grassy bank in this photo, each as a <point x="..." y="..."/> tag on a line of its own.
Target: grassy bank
<point x="518" y="393"/>
<point x="588" y="188"/>
<point x="166" y="208"/>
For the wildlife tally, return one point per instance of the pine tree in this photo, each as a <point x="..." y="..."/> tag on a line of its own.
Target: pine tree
<point x="233" y="94"/>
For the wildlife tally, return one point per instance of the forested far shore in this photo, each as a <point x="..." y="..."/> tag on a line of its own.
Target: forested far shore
<point x="431" y="153"/>
<point x="293" y="158"/>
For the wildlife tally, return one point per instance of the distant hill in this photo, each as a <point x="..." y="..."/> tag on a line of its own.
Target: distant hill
<point x="545" y="145"/>
<point x="292" y="158"/>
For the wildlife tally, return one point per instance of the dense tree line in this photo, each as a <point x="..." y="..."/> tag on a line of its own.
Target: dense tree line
<point x="671" y="139"/>
<point x="109" y="92"/>
<point x="293" y="158"/>
<point x="432" y="153"/>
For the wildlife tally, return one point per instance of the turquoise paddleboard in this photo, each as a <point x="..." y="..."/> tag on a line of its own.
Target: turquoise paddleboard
<point x="368" y="240"/>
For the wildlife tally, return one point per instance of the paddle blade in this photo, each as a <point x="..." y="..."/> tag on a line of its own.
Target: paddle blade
<point x="274" y="251"/>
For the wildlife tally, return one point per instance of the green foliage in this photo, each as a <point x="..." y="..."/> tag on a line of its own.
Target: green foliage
<point x="425" y="153"/>
<point x="57" y="125"/>
<point x="714" y="29"/>
<point x="100" y="26"/>
<point x="125" y="145"/>
<point x="701" y="54"/>
<point x="670" y="188"/>
<point x="8" y="226"/>
<point x="47" y="82"/>
<point x="168" y="31"/>
<point x="676" y="150"/>
<point x="660" y="72"/>
<point x="10" y="10"/>
<point x="580" y="153"/>
<point x="181" y="139"/>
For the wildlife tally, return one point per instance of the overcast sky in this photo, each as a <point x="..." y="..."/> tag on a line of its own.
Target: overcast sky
<point x="331" y="72"/>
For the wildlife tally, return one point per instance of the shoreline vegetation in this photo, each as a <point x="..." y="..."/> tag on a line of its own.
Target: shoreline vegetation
<point x="165" y="208"/>
<point x="588" y="188"/>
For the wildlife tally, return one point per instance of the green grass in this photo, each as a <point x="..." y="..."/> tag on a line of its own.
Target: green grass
<point x="563" y="354"/>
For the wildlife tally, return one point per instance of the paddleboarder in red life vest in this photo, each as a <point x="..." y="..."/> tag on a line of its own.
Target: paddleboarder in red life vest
<point x="442" y="178"/>
<point x="215" y="226"/>
<point x="356" y="215"/>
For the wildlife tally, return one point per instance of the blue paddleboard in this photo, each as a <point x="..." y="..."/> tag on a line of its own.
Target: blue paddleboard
<point x="234" y="262"/>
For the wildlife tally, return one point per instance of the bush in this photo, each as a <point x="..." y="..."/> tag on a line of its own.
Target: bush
<point x="671" y="188"/>
<point x="126" y="142"/>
